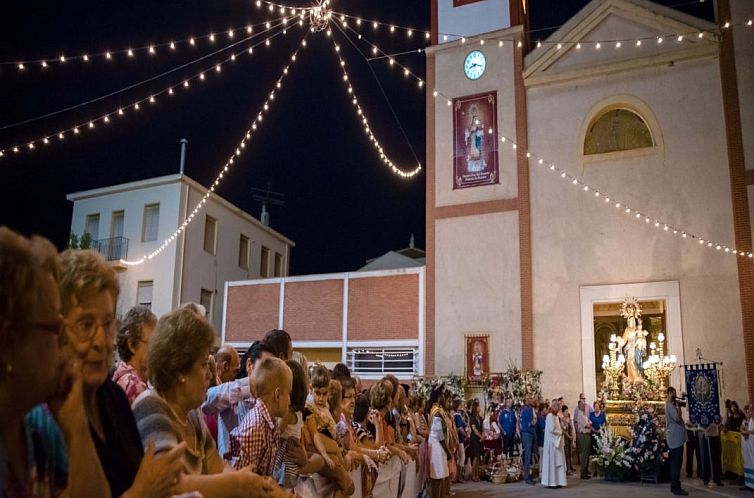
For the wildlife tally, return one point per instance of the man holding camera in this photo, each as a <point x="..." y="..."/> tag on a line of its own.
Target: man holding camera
<point x="676" y="437"/>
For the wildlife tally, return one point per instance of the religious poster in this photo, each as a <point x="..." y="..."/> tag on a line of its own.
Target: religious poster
<point x="475" y="141"/>
<point x="703" y="393"/>
<point x="477" y="357"/>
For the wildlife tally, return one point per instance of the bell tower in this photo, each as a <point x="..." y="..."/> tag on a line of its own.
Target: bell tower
<point x="478" y="277"/>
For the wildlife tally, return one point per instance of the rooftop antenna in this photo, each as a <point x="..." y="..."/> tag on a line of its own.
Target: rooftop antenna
<point x="267" y="196"/>
<point x="184" y="142"/>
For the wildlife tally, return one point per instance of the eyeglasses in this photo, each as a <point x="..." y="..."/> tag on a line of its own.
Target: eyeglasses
<point x="85" y="328"/>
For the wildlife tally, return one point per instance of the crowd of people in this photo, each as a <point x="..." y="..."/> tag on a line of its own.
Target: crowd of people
<point x="173" y="417"/>
<point x="540" y="433"/>
<point x="165" y="417"/>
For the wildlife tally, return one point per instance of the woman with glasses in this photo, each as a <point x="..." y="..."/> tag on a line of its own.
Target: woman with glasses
<point x="133" y="337"/>
<point x="89" y="290"/>
<point x="33" y="373"/>
<point x="168" y="415"/>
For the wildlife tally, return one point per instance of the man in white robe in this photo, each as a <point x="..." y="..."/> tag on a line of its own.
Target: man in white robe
<point x="553" y="464"/>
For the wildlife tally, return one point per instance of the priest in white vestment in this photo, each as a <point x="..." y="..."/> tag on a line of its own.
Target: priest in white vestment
<point x="553" y="464"/>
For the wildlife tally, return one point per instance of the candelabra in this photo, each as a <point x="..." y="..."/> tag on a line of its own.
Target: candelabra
<point x="659" y="366"/>
<point x="612" y="366"/>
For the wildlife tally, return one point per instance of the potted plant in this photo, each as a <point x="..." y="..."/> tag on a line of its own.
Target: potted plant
<point x="648" y="447"/>
<point x="612" y="455"/>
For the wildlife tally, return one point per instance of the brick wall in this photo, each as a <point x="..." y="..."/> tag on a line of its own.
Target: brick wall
<point x="313" y="311"/>
<point x="252" y="310"/>
<point x="739" y="195"/>
<point x="383" y="308"/>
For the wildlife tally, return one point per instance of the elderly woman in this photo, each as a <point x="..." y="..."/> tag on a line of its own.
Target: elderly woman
<point x="133" y="337"/>
<point x="89" y="290"/>
<point x="33" y="371"/>
<point x="168" y="415"/>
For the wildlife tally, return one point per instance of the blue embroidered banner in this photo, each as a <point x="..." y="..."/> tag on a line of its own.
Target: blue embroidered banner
<point x="703" y="392"/>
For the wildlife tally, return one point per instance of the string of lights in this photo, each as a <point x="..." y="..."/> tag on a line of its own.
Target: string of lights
<point x="272" y="7"/>
<point x="626" y="209"/>
<point x="151" y="50"/>
<point x="151" y="99"/>
<point x="599" y="195"/>
<point x="358" y="21"/>
<point x="378" y="53"/>
<point x="225" y="168"/>
<point x="597" y="44"/>
<point x="365" y="122"/>
<point x="148" y="80"/>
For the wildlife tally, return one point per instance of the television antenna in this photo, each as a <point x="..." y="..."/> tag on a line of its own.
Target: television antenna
<point x="267" y="196"/>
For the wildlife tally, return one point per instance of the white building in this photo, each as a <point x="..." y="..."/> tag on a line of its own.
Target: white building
<point x="661" y="121"/>
<point x="223" y="243"/>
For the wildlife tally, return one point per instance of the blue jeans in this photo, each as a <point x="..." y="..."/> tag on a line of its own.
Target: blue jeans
<point x="527" y="438"/>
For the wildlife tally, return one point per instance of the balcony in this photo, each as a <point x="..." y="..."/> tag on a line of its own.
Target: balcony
<point x="113" y="250"/>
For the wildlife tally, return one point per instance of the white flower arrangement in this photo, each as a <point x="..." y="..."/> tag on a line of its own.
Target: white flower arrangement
<point x="612" y="452"/>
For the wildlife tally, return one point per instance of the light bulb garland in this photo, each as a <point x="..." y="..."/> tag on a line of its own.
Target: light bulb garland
<point x="228" y="164"/>
<point x="407" y="72"/>
<point x="151" y="99"/>
<point x="689" y="36"/>
<point x="597" y="194"/>
<point x="365" y="122"/>
<point x="151" y="50"/>
<point x="411" y="33"/>
<point x="624" y="208"/>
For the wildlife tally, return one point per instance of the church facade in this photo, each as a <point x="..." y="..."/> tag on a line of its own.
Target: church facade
<point x="646" y="142"/>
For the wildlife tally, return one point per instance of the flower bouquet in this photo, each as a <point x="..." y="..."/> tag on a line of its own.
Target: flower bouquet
<point x="639" y="391"/>
<point x="612" y="455"/>
<point x="648" y="448"/>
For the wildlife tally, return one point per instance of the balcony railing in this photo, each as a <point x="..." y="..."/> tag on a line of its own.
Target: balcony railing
<point x="112" y="249"/>
<point x="380" y="361"/>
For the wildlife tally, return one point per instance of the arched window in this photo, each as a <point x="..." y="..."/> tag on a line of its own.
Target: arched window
<point x="617" y="129"/>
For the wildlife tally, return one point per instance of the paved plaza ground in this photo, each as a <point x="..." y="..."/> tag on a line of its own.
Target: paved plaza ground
<point x="595" y="488"/>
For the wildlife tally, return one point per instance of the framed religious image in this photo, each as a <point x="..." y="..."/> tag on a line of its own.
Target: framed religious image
<point x="475" y="141"/>
<point x="477" y="357"/>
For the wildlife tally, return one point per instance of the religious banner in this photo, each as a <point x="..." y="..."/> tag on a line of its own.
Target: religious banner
<point x="475" y="141"/>
<point x="477" y="357"/>
<point x="703" y="392"/>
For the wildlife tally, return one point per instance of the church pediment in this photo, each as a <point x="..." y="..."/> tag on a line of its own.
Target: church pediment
<point x="617" y="25"/>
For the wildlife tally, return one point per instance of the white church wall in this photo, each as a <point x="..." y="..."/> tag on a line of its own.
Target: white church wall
<point x="478" y="290"/>
<point x="579" y="241"/>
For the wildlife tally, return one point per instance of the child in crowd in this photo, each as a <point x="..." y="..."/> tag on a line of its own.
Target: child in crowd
<point x="288" y="468"/>
<point x="255" y="440"/>
<point x="321" y="426"/>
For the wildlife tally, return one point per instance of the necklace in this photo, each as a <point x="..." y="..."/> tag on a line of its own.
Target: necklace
<point x="173" y="412"/>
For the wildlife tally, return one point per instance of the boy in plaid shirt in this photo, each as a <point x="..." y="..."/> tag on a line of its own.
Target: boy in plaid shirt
<point x="255" y="441"/>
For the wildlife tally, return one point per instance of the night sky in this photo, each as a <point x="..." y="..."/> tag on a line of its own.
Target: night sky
<point x="343" y="205"/>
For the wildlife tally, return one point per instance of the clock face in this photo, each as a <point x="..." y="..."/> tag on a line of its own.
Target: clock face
<point x="474" y="65"/>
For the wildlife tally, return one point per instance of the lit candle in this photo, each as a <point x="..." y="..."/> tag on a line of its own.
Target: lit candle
<point x="652" y="346"/>
<point x="613" y="338"/>
<point x="661" y="337"/>
<point x="605" y="359"/>
<point x="621" y="358"/>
